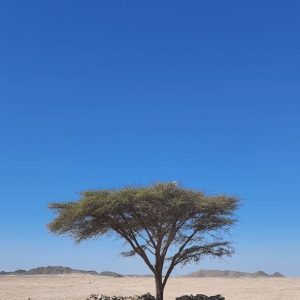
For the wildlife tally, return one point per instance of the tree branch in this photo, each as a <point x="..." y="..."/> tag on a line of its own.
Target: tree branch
<point x="135" y="214"/>
<point x="173" y="261"/>
<point x="171" y="237"/>
<point x="137" y="248"/>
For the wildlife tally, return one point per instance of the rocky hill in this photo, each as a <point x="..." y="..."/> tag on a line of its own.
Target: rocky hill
<point x="57" y="270"/>
<point x="231" y="274"/>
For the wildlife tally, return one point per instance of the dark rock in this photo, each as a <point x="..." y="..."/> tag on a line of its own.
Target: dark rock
<point x="146" y="296"/>
<point x="200" y="297"/>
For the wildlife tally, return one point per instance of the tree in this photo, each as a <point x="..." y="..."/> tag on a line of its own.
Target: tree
<point x="165" y="224"/>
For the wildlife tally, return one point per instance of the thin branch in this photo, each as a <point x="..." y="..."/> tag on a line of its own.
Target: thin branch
<point x="173" y="262"/>
<point x="135" y="214"/>
<point x="136" y="247"/>
<point x="171" y="237"/>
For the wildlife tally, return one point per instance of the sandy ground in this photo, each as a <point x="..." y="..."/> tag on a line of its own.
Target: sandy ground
<point x="79" y="287"/>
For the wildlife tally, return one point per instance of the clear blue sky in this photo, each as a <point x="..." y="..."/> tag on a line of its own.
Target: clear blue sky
<point x="98" y="94"/>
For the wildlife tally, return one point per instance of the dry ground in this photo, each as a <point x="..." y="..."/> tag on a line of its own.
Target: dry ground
<point x="79" y="287"/>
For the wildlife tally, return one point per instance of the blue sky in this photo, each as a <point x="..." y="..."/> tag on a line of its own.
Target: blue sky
<point x="102" y="94"/>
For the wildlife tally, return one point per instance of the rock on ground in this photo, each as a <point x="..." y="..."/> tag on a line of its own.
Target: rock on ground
<point x="200" y="297"/>
<point x="148" y="296"/>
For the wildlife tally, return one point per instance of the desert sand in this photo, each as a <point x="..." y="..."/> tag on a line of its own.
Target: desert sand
<point x="79" y="287"/>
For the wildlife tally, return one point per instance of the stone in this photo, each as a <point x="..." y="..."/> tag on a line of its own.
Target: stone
<point x="200" y="297"/>
<point x="148" y="296"/>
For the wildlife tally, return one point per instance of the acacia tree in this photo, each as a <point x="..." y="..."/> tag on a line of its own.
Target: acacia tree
<point x="165" y="224"/>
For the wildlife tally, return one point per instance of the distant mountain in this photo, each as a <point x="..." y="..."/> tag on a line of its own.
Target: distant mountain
<point x="277" y="274"/>
<point x="110" y="274"/>
<point x="231" y="274"/>
<point x="57" y="270"/>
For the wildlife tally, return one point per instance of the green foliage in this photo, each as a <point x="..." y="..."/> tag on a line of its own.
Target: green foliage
<point x="162" y="223"/>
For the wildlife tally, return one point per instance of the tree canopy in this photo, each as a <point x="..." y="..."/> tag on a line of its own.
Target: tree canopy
<point x="165" y="224"/>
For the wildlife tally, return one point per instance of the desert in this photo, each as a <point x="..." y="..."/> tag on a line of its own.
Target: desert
<point x="150" y="150"/>
<point x="80" y="286"/>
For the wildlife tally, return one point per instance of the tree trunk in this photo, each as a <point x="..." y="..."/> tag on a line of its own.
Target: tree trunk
<point x="159" y="287"/>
